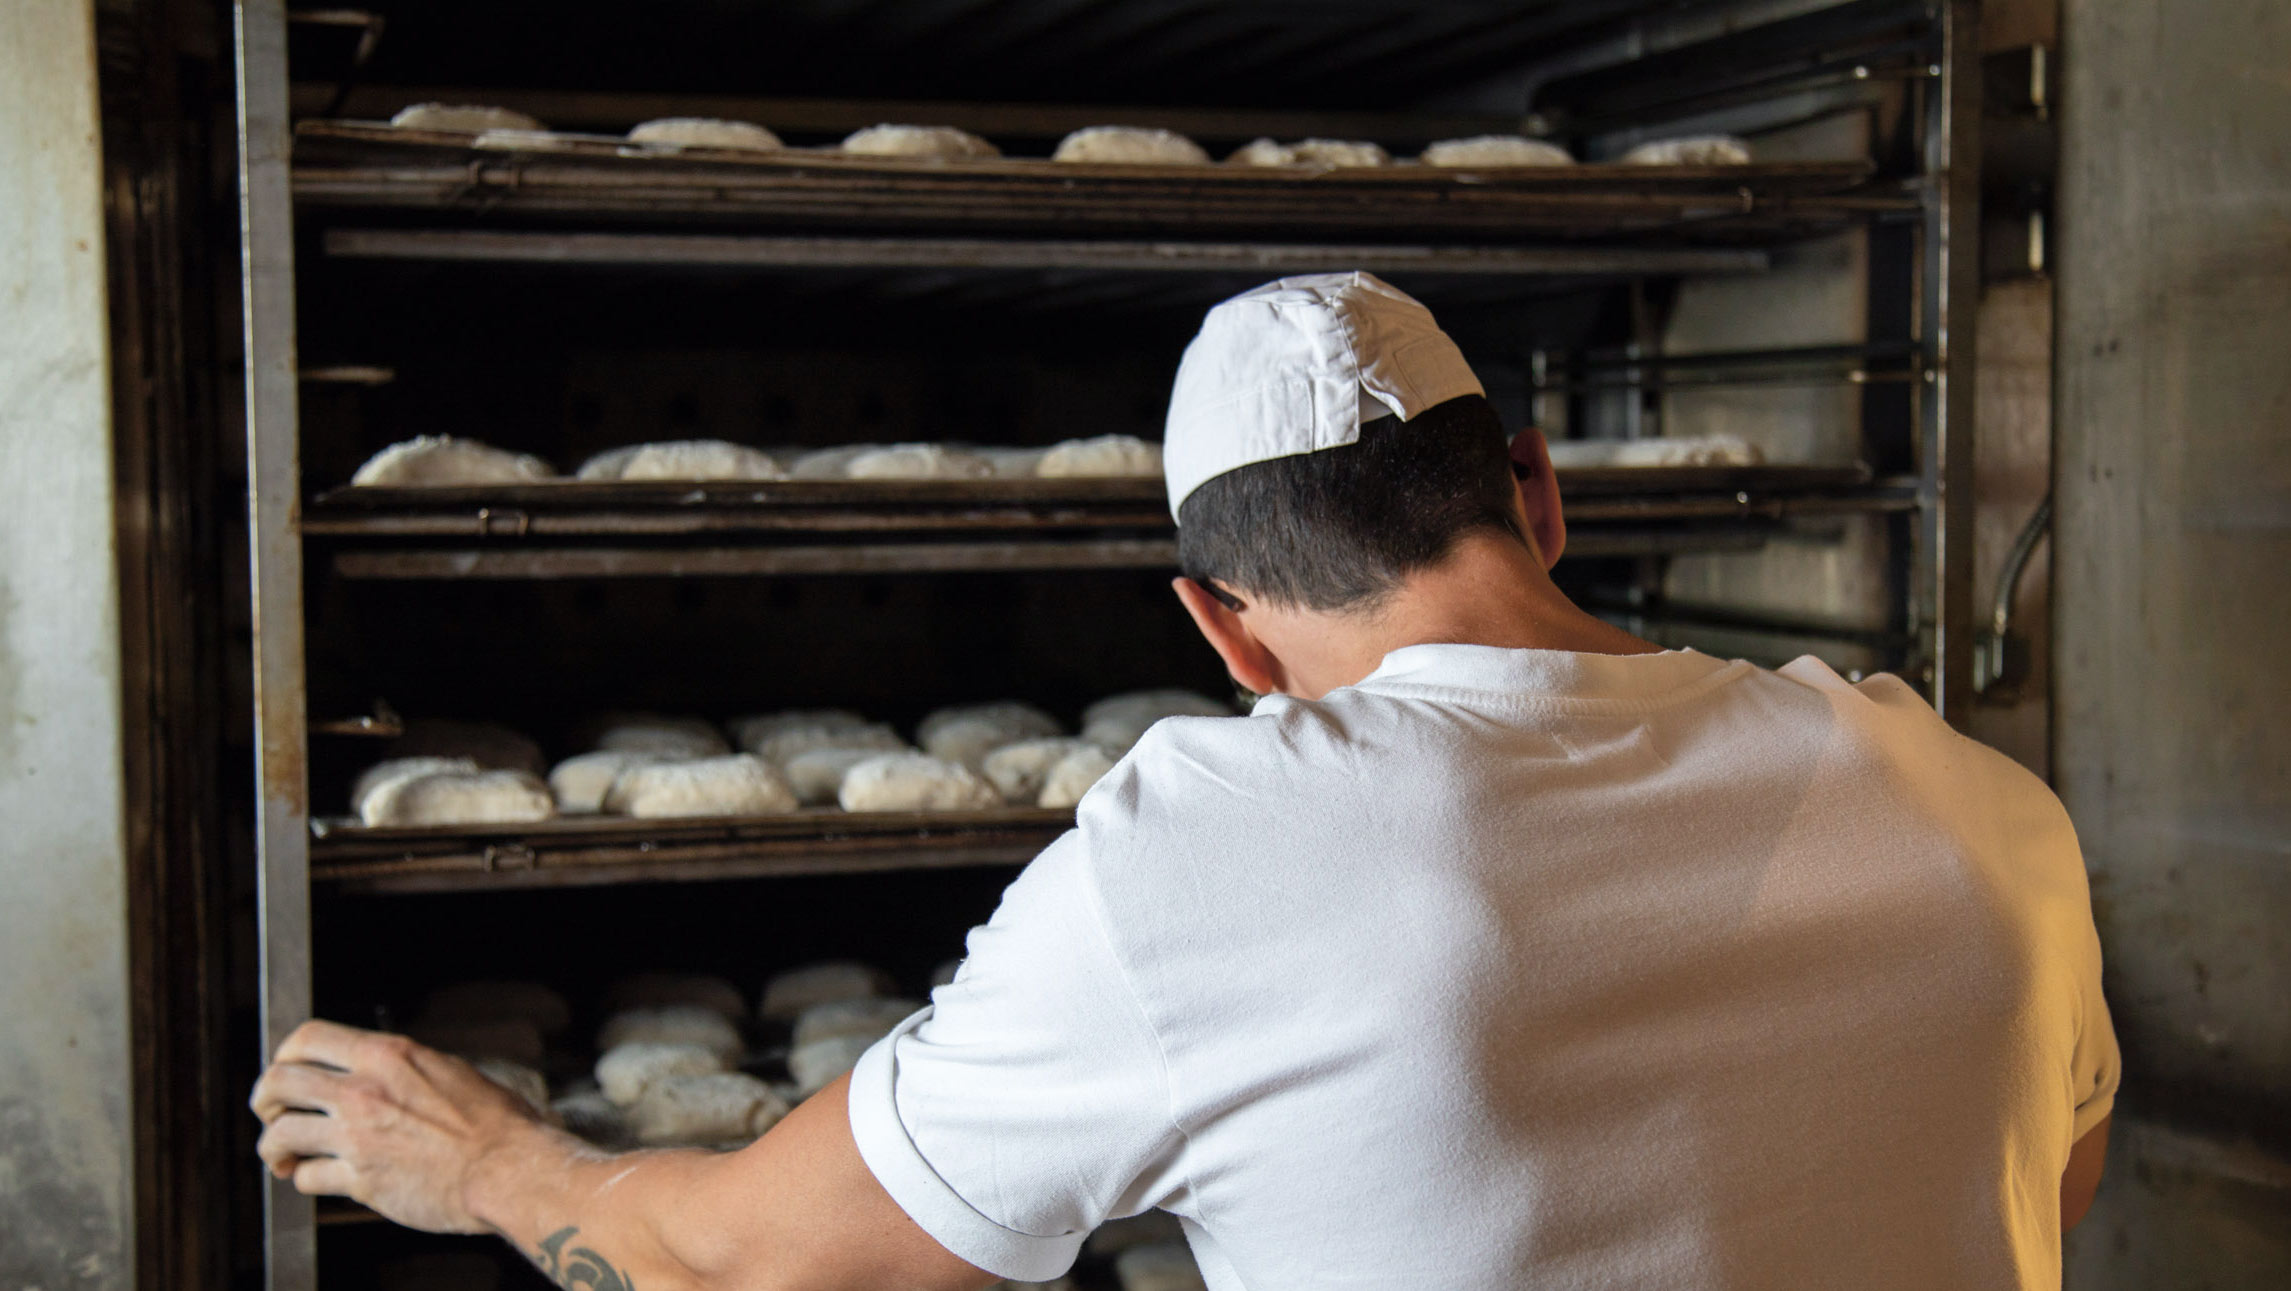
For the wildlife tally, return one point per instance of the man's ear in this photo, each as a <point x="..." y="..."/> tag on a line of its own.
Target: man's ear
<point x="1538" y="494"/>
<point x="1247" y="660"/>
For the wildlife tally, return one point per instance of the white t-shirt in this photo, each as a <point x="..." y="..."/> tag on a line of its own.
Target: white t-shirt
<point x="1526" y="969"/>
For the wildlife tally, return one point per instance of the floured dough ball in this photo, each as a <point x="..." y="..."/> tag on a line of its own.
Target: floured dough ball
<point x="459" y="798"/>
<point x="966" y="733"/>
<point x="685" y="1025"/>
<point x="873" y="1018"/>
<point x="817" y="774"/>
<point x="489" y="744"/>
<point x="462" y="118"/>
<point x="943" y="142"/>
<point x="663" y="990"/>
<point x="739" y="785"/>
<point x="530" y="1086"/>
<point x="788" y="994"/>
<point x="682" y="459"/>
<point x="1102" y="455"/>
<point x="1017" y="770"/>
<point x="580" y="783"/>
<point x="625" y="1072"/>
<point x="783" y="746"/>
<point x="815" y="1066"/>
<point x="656" y="733"/>
<point x="751" y="730"/>
<point x="704" y="132"/>
<point x="1309" y="152"/>
<point x="1496" y="150"/>
<point x="1686" y="450"/>
<point x="707" y="1108"/>
<point x="1117" y="721"/>
<point x="917" y="462"/>
<point x="525" y="141"/>
<point x="381" y="773"/>
<point x="515" y="1039"/>
<point x="914" y="782"/>
<point x="1073" y="776"/>
<point x="437" y="461"/>
<point x="1158" y="1266"/>
<point x="1013" y="463"/>
<point x="590" y="1115"/>
<point x="827" y="463"/>
<point x="1130" y="146"/>
<point x="1694" y="150"/>
<point x="494" y="1001"/>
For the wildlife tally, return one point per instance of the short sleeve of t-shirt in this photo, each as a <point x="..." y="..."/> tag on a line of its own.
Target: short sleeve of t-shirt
<point x="1028" y="1104"/>
<point x="2099" y="1066"/>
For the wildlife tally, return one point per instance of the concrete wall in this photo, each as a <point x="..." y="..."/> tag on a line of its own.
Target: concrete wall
<point x="65" y="1209"/>
<point x="2172" y="731"/>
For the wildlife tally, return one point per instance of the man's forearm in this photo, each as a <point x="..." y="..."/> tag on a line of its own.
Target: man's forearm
<point x="591" y="1219"/>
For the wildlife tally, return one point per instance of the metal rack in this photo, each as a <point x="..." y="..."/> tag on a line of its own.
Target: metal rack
<point x="388" y="195"/>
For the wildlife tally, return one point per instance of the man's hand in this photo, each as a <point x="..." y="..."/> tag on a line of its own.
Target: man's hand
<point x="383" y="1120"/>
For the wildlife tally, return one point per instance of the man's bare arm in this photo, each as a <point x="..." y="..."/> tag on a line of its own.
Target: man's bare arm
<point x="426" y="1140"/>
<point x="2082" y="1177"/>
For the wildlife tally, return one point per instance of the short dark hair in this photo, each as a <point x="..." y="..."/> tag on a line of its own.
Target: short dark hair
<point x="1339" y="529"/>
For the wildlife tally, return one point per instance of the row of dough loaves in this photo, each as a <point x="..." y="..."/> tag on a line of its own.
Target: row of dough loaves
<point x="1098" y="145"/>
<point x="435" y="461"/>
<point x="963" y="758"/>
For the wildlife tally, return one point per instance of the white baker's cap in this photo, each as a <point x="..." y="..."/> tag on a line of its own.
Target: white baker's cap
<point x="1281" y="370"/>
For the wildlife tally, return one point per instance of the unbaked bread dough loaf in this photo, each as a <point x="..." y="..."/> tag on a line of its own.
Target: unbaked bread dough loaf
<point x="580" y="783"/>
<point x="1686" y="450"/>
<point x="491" y="1000"/>
<point x="1013" y="463"/>
<point x="1102" y="455"/>
<point x="438" y="461"/>
<point x="1017" y="770"/>
<point x="966" y="733"/>
<point x="1158" y="1266"/>
<point x="1074" y="775"/>
<point x="690" y="1025"/>
<point x="1693" y="150"/>
<point x="1309" y="152"/>
<point x="706" y="1108"/>
<point x="657" y="733"/>
<point x="944" y="142"/>
<point x="526" y="141"/>
<point x="749" y="731"/>
<point x="489" y="744"/>
<point x="1117" y="721"/>
<point x="464" y="118"/>
<point x="817" y="774"/>
<point x="588" y="1114"/>
<point x="389" y="769"/>
<point x="788" y="994"/>
<point x="914" y="782"/>
<point x="459" y="798"/>
<point x="669" y="133"/>
<point x="1130" y="145"/>
<point x="873" y="1017"/>
<point x="663" y="990"/>
<point x="815" y="1066"/>
<point x="741" y="784"/>
<point x="917" y="462"/>
<point x="827" y="463"/>
<point x="624" y="1072"/>
<point x="784" y="745"/>
<point x="682" y="459"/>
<point x="1496" y="150"/>
<point x="530" y="1086"/>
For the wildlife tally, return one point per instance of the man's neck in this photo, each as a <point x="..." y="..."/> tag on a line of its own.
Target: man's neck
<point x="1492" y="590"/>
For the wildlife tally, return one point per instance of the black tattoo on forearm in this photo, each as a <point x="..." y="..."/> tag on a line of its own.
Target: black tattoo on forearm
<point x="579" y="1267"/>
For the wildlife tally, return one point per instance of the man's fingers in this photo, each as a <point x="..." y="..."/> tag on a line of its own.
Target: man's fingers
<point x="292" y="1085"/>
<point x="298" y="1136"/>
<point x="325" y="1177"/>
<point x="327" y="1043"/>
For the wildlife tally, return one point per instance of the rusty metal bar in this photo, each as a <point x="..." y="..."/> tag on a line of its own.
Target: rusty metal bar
<point x="1951" y="273"/>
<point x="266" y="240"/>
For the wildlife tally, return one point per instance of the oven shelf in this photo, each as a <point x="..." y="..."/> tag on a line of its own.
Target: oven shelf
<point x="578" y="851"/>
<point x="374" y="167"/>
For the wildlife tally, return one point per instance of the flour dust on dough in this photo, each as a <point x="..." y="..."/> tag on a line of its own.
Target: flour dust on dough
<point x="788" y="994"/>
<point x="1102" y="455"/>
<point x="1692" y="150"/>
<point x="918" y="462"/>
<point x="681" y="460"/>
<point x="740" y="784"/>
<point x="966" y="733"/>
<point x="462" y="118"/>
<point x="1496" y="150"/>
<point x="942" y="142"/>
<point x="669" y="133"/>
<point x="443" y="461"/>
<point x="1074" y="775"/>
<point x="459" y="798"/>
<point x="1129" y="146"/>
<point x="914" y="782"/>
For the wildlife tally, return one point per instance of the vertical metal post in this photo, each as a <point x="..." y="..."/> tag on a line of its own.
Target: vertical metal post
<point x="266" y="245"/>
<point x="1951" y="292"/>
